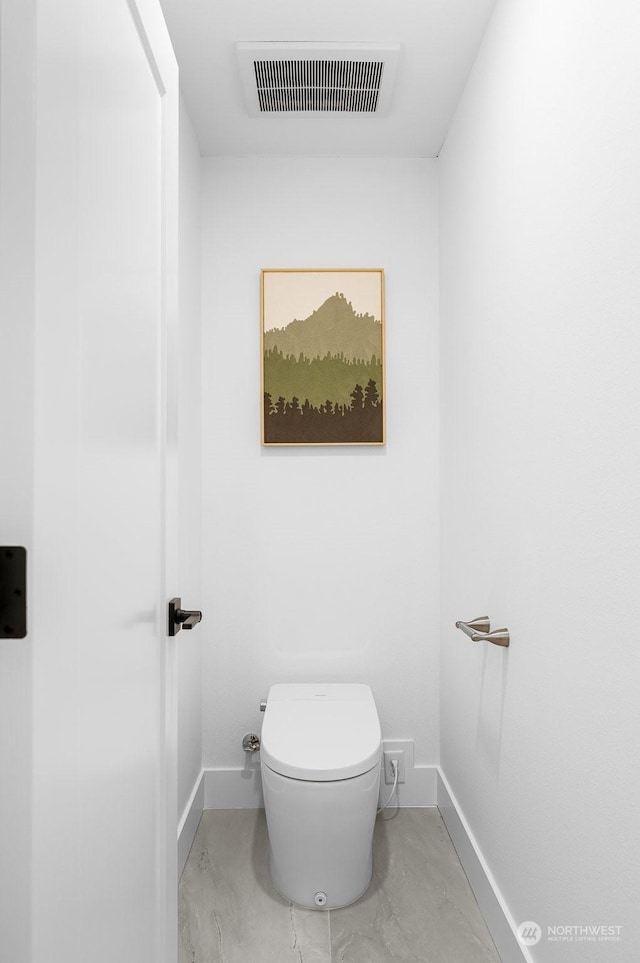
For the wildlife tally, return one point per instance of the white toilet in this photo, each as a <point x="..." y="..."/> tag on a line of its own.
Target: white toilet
<point x="320" y="759"/>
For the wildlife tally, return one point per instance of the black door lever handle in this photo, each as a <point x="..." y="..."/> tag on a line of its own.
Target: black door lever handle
<point x="188" y="619"/>
<point x="180" y="618"/>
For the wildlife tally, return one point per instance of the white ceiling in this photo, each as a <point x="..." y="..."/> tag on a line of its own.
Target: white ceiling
<point x="439" y="40"/>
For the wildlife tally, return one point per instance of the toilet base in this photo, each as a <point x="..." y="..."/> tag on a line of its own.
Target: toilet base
<point x="321" y="837"/>
<point x="326" y="906"/>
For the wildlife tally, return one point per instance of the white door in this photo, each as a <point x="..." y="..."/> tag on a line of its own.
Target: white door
<point x="102" y="782"/>
<point x="17" y="225"/>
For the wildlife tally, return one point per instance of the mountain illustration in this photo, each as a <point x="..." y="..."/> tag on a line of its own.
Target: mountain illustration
<point x="333" y="328"/>
<point x="323" y="378"/>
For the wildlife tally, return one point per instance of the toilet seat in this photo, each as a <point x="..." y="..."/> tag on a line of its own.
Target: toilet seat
<point x="319" y="732"/>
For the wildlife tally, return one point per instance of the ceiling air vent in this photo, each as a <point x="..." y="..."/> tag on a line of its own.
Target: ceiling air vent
<point x="280" y="77"/>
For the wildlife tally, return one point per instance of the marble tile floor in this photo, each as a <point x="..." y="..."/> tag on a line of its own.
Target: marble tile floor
<point x="419" y="908"/>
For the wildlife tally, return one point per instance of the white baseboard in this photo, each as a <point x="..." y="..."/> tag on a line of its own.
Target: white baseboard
<point x="419" y="791"/>
<point x="492" y="905"/>
<point x="233" y="788"/>
<point x="242" y="788"/>
<point x="189" y="822"/>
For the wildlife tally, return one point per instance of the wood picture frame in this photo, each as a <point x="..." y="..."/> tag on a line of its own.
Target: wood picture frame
<point x="322" y="346"/>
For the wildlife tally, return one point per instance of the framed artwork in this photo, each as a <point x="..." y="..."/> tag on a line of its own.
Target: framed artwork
<point x="322" y="339"/>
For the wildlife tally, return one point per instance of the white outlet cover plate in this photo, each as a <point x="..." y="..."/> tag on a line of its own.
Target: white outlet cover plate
<point x="406" y="745"/>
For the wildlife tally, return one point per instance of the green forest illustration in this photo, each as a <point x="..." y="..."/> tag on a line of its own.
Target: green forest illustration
<point x="323" y="378"/>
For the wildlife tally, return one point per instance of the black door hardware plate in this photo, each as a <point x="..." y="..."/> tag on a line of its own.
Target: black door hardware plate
<point x="13" y="592"/>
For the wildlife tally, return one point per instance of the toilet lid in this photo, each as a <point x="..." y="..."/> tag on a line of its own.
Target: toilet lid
<point x="320" y="732"/>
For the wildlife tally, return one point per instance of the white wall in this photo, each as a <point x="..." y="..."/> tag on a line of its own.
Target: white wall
<point x="540" y="300"/>
<point x="190" y="464"/>
<point x="319" y="563"/>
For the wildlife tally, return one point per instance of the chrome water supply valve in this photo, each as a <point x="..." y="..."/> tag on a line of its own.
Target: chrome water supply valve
<point x="250" y="742"/>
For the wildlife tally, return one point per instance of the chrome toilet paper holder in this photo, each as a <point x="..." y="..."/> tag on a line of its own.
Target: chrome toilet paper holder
<point x="479" y="630"/>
